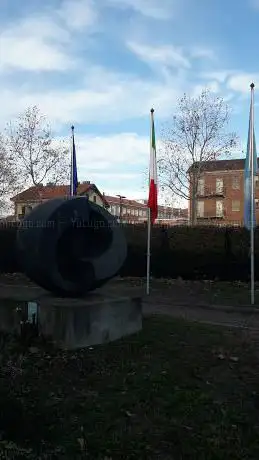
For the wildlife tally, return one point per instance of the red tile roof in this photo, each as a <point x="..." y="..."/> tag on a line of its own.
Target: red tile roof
<point x="47" y="192"/>
<point x="116" y="200"/>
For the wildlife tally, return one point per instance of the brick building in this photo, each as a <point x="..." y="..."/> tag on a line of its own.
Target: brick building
<point x="25" y="201"/>
<point x="129" y="211"/>
<point x="132" y="211"/>
<point x="220" y="192"/>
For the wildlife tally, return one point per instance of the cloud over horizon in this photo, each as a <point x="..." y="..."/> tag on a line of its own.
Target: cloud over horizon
<point x="102" y="65"/>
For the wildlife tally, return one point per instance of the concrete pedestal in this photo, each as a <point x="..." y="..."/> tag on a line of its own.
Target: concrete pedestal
<point x="80" y="323"/>
<point x="73" y="323"/>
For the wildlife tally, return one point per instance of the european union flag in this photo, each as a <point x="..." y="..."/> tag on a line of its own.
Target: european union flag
<point x="251" y="170"/>
<point x="73" y="180"/>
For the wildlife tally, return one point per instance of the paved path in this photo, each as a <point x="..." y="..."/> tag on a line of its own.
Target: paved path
<point x="164" y="304"/>
<point x="203" y="315"/>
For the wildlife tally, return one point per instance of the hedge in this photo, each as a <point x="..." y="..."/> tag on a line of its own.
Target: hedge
<point x="191" y="253"/>
<point x="186" y="252"/>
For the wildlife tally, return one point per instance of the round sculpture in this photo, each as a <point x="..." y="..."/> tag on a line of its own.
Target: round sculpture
<point x="70" y="246"/>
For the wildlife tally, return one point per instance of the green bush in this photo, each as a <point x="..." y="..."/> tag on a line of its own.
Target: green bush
<point x="8" y="263"/>
<point x="186" y="252"/>
<point x="191" y="252"/>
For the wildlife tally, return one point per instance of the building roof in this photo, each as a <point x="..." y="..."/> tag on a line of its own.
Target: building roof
<point x="222" y="165"/>
<point x="116" y="200"/>
<point x="47" y="192"/>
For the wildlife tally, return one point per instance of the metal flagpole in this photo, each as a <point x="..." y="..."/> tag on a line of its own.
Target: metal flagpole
<point x="148" y="250"/>
<point x="149" y="212"/>
<point x="252" y="194"/>
<point x="71" y="165"/>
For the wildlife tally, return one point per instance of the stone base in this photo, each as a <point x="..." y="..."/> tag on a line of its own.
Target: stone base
<point x="75" y="323"/>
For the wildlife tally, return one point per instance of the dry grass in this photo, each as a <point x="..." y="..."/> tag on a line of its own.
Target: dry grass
<point x="174" y="391"/>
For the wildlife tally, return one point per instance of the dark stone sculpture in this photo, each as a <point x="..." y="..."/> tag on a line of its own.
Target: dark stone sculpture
<point x="70" y="246"/>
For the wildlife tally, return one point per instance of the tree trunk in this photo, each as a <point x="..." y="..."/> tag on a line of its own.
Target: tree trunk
<point x="193" y="209"/>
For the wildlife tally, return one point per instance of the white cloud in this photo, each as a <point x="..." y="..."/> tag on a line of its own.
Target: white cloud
<point x="111" y="97"/>
<point x="41" y="27"/>
<point x="34" y="44"/>
<point x="78" y="14"/>
<point x="218" y="75"/>
<point x="30" y="53"/>
<point x="198" y="52"/>
<point x="41" y="43"/>
<point x="116" y="163"/>
<point x="212" y="86"/>
<point x="167" y="55"/>
<point x="240" y="82"/>
<point x="113" y="151"/>
<point x="155" y="9"/>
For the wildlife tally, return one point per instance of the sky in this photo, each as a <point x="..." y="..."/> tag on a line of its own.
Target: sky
<point x="101" y="65"/>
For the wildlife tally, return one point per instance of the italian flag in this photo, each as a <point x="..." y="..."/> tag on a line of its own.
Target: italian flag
<point x="152" y="198"/>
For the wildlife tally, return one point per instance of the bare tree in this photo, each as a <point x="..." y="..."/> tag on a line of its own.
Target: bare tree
<point x="38" y="157"/>
<point x="198" y="133"/>
<point x="8" y="177"/>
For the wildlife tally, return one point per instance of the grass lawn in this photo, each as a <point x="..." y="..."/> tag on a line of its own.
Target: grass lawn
<point x="217" y="292"/>
<point x="176" y="390"/>
<point x="193" y="292"/>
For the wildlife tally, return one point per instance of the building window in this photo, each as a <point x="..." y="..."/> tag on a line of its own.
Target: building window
<point x="257" y="181"/>
<point x="132" y="212"/>
<point x="200" y="188"/>
<point x="124" y="211"/>
<point x="200" y="208"/>
<point x="136" y="212"/>
<point x="26" y="210"/>
<point x="219" y="208"/>
<point x="235" y="205"/>
<point x="219" y="185"/>
<point x="236" y="183"/>
<point x="94" y="198"/>
<point x="257" y="204"/>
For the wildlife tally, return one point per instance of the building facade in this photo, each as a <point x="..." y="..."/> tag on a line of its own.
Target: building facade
<point x="220" y="193"/>
<point x="25" y="201"/>
<point x="133" y="211"/>
<point x="127" y="211"/>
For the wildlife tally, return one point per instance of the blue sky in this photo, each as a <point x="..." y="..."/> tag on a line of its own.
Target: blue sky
<point x="102" y="64"/>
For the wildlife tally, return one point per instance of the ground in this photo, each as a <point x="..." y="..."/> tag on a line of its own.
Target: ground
<point x="194" y="292"/>
<point x="176" y="390"/>
<point x="177" y="291"/>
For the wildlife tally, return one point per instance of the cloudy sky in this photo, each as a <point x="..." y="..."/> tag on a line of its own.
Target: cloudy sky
<point x="102" y="64"/>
